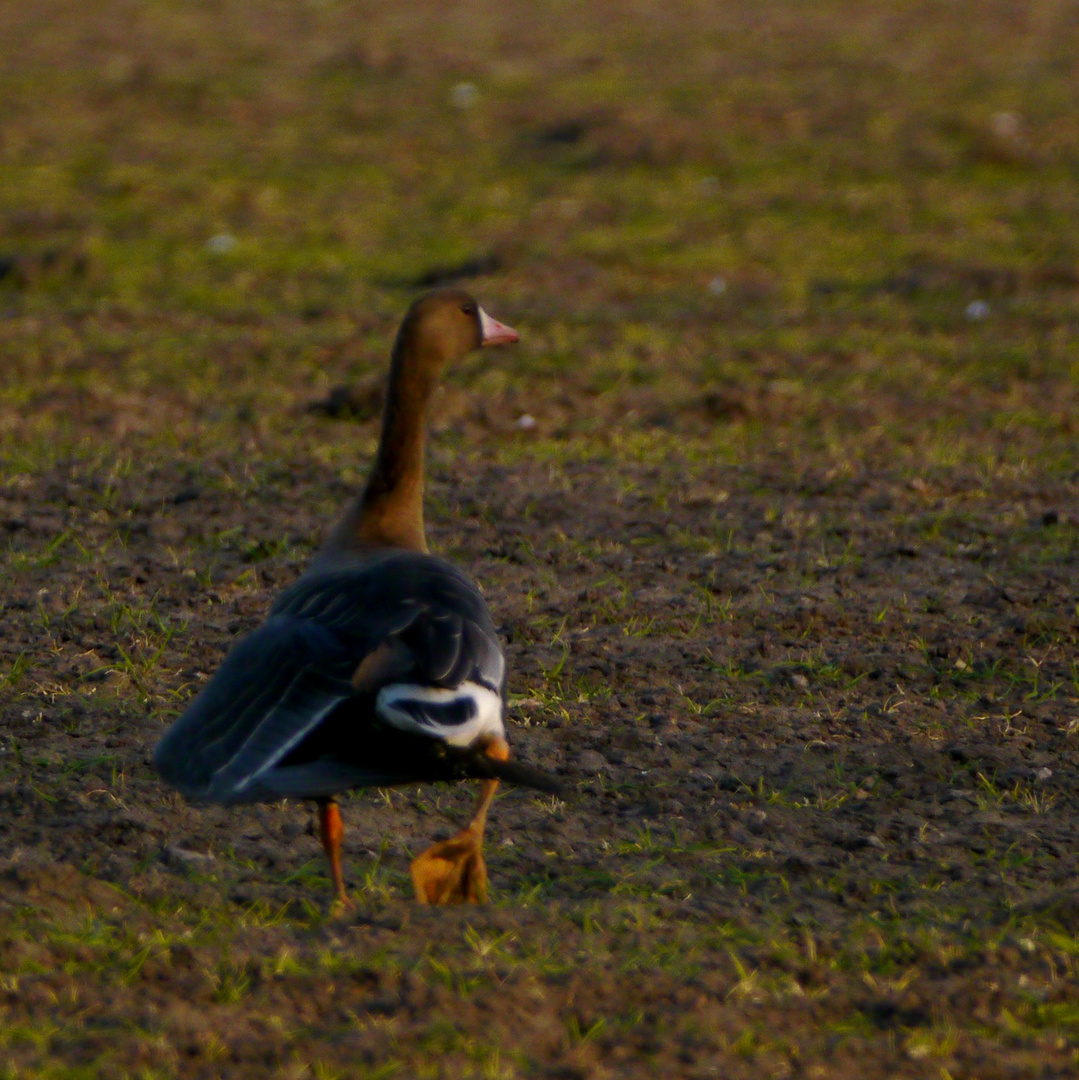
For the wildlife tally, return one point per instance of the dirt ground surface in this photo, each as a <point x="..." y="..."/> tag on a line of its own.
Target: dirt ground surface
<point x="776" y="507"/>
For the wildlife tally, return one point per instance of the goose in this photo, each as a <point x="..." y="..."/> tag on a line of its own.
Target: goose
<point x="380" y="665"/>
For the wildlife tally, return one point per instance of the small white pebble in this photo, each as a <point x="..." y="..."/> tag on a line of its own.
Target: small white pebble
<point x="1005" y="125"/>
<point x="464" y="95"/>
<point x="526" y="422"/>
<point x="961" y="665"/>
<point x="977" y="310"/>
<point x="717" y="286"/>
<point x="1043" y="773"/>
<point x="221" y="244"/>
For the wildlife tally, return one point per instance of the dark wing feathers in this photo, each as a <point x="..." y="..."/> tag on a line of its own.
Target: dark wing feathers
<point x="482" y="647"/>
<point x="436" y="642"/>
<point x="278" y="684"/>
<point x="323" y="777"/>
<point x="272" y="689"/>
<point x="427" y="604"/>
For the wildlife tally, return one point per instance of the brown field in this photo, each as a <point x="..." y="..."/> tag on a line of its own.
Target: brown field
<point x="786" y="558"/>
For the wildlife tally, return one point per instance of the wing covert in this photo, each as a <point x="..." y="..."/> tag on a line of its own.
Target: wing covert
<point x="418" y="601"/>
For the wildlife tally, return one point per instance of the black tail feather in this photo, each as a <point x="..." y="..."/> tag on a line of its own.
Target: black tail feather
<point x="479" y="766"/>
<point x="517" y="772"/>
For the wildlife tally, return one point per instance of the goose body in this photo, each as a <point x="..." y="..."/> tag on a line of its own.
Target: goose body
<point x="380" y="672"/>
<point x="381" y="664"/>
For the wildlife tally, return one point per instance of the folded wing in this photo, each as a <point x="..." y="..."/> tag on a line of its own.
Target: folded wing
<point x="404" y="641"/>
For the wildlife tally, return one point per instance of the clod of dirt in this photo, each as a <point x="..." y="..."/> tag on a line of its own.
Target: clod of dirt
<point x="360" y="402"/>
<point x="448" y="273"/>
<point x="591" y="762"/>
<point x="789" y="675"/>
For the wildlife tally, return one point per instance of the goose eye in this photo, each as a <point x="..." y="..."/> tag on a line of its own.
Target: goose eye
<point x="469" y="309"/>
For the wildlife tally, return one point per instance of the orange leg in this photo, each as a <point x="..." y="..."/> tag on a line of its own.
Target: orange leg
<point x="488" y="788"/>
<point x="454" y="871"/>
<point x="332" y="830"/>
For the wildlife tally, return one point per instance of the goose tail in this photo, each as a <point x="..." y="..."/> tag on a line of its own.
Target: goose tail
<point x="479" y="766"/>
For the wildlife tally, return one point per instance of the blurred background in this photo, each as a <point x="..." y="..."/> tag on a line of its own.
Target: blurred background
<point x="701" y="213"/>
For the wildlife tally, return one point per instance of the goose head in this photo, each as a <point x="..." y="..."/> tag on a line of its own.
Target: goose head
<point x="444" y="325"/>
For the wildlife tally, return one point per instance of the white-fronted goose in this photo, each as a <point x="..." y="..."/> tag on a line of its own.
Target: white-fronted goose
<point x="381" y="665"/>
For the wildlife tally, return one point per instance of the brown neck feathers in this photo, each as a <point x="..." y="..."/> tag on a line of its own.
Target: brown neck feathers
<point x="389" y="513"/>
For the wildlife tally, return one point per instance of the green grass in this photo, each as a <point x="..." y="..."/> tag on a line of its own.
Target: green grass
<point x="775" y="449"/>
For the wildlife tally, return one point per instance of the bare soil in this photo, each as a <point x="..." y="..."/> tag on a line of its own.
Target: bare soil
<point x="776" y="506"/>
<point x="824" y="782"/>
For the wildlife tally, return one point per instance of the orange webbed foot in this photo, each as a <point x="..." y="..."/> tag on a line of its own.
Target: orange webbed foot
<point x="452" y="871"/>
